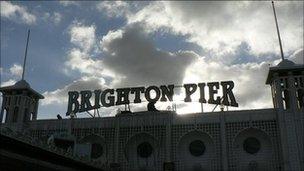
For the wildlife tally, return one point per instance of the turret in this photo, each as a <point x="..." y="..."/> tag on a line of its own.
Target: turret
<point x="20" y="103"/>
<point x="286" y="81"/>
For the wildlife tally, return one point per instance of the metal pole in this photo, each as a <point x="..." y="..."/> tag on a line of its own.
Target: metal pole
<point x="25" y="54"/>
<point x="278" y="31"/>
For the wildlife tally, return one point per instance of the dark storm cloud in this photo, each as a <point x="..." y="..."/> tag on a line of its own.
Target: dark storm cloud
<point x="135" y="58"/>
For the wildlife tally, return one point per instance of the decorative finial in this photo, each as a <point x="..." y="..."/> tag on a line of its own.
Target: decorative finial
<point x="24" y="61"/>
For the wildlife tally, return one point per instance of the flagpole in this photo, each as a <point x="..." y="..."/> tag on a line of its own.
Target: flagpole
<point x="25" y="54"/>
<point x="278" y="31"/>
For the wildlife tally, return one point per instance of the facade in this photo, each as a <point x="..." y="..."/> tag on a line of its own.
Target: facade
<point x="264" y="139"/>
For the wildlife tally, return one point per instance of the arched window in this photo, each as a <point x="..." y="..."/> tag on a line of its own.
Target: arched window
<point x="5" y="114"/>
<point x="15" y="100"/>
<point x="286" y="99"/>
<point x="300" y="98"/>
<point x="25" y="115"/>
<point x="15" y="114"/>
<point x="32" y="116"/>
<point x="285" y="93"/>
<point x="8" y="100"/>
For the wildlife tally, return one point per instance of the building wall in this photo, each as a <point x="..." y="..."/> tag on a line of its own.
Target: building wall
<point x="170" y="136"/>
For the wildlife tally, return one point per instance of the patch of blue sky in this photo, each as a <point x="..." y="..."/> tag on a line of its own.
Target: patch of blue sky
<point x="49" y="42"/>
<point x="46" y="54"/>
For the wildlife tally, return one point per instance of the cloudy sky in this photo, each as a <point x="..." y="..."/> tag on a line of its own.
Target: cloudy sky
<point x="97" y="45"/>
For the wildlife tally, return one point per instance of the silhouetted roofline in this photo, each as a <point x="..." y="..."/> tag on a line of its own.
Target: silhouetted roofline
<point x="21" y="85"/>
<point x="283" y="67"/>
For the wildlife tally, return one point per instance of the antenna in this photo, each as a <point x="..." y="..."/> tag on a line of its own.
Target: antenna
<point x="25" y="54"/>
<point x="278" y="31"/>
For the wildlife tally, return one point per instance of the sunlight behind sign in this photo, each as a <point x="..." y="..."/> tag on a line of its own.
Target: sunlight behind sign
<point x="81" y="101"/>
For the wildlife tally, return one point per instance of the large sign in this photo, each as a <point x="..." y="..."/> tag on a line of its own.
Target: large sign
<point x="81" y="101"/>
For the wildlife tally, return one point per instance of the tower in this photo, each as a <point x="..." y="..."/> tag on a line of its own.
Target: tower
<point x="287" y="87"/>
<point x="20" y="101"/>
<point x="286" y="81"/>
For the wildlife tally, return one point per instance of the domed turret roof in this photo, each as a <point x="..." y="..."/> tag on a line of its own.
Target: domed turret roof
<point x="22" y="84"/>
<point x="283" y="68"/>
<point x="286" y="63"/>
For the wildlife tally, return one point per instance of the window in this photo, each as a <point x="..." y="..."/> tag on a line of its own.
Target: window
<point x="5" y="115"/>
<point x="15" y="114"/>
<point x="144" y="150"/>
<point x="15" y="100"/>
<point x="32" y="116"/>
<point x="252" y="145"/>
<point x="19" y="100"/>
<point x="286" y="99"/>
<point x="8" y="100"/>
<point x="197" y="148"/>
<point x="25" y="115"/>
<point x="300" y="98"/>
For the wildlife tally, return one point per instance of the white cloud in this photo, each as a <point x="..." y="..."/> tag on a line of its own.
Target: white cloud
<point x="82" y="36"/>
<point x="120" y="66"/>
<point x="80" y="57"/>
<point x="57" y="17"/>
<point x="8" y="83"/>
<point x="82" y="62"/>
<point x="109" y="37"/>
<point x="54" y="17"/>
<point x="60" y="96"/>
<point x="239" y="33"/>
<point x="16" y="70"/>
<point x="298" y="56"/>
<point x="113" y="8"/>
<point x="13" y="73"/>
<point x="134" y="60"/>
<point x="250" y="89"/>
<point x="69" y="3"/>
<point x="222" y="26"/>
<point x="16" y="13"/>
<point x="125" y="66"/>
<point x="57" y="101"/>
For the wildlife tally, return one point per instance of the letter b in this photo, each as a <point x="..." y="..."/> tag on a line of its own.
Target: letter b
<point x="73" y="96"/>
